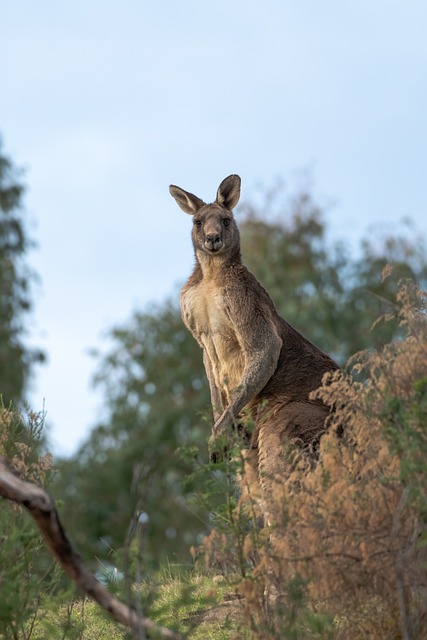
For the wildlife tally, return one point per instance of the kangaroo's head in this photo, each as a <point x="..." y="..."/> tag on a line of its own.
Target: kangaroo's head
<point x="215" y="232"/>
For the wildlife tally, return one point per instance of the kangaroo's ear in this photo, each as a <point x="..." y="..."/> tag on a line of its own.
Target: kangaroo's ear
<point x="228" y="193"/>
<point x="187" y="201"/>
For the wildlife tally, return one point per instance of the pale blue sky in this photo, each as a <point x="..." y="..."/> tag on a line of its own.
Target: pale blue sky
<point x="107" y="103"/>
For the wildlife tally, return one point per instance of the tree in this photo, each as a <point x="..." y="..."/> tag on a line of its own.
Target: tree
<point x="24" y="565"/>
<point x="156" y="400"/>
<point x="328" y="294"/>
<point x="155" y="390"/>
<point x="16" y="359"/>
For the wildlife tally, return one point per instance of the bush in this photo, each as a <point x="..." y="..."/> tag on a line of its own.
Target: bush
<point x="346" y="557"/>
<point x="25" y="568"/>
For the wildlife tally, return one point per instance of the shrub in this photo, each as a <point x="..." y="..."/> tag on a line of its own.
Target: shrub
<point x="346" y="557"/>
<point x="25" y="567"/>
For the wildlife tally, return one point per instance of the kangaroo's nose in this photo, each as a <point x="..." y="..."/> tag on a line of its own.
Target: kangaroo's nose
<point x="213" y="237"/>
<point x="213" y="241"/>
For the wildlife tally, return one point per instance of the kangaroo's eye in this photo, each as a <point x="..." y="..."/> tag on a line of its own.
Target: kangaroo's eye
<point x="198" y="223"/>
<point x="226" y="222"/>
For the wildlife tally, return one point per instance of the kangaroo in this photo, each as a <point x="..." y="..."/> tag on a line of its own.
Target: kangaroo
<point x="254" y="359"/>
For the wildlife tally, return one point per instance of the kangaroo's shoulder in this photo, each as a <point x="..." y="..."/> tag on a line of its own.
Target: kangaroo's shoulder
<point x="241" y="285"/>
<point x="245" y="294"/>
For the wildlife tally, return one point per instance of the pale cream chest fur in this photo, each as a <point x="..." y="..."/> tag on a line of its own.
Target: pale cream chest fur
<point x="203" y="312"/>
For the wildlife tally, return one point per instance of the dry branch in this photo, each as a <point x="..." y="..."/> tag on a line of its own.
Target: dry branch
<point x="43" y="509"/>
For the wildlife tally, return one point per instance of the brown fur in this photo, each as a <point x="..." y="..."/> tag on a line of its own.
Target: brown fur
<point x="253" y="358"/>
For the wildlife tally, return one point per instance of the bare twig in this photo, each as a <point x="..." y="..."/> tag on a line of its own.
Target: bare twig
<point x="401" y="591"/>
<point x="140" y="473"/>
<point x="43" y="509"/>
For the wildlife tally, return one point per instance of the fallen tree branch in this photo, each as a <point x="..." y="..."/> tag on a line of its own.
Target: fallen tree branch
<point x="43" y="509"/>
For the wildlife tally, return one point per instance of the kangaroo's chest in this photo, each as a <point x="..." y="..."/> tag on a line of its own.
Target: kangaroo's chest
<point x="204" y="311"/>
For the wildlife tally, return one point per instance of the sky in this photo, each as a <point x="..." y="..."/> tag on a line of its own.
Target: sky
<point x="104" y="104"/>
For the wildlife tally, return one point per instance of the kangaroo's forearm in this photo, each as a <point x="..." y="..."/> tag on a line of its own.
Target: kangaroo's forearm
<point x="257" y="373"/>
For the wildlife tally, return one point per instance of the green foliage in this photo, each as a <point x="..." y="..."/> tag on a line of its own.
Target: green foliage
<point x="284" y="244"/>
<point x="405" y="414"/>
<point x="26" y="568"/>
<point x="16" y="359"/>
<point x="406" y="430"/>
<point x="151" y="378"/>
<point x="36" y="602"/>
<point x="193" y="603"/>
<point x="73" y="618"/>
<point x="329" y="295"/>
<point x="238" y="550"/>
